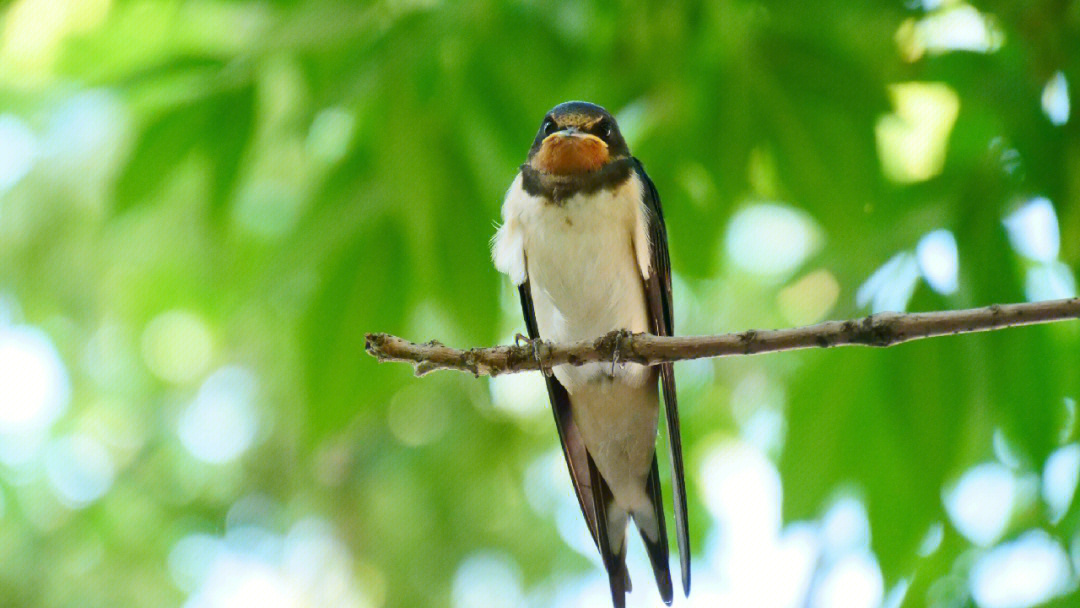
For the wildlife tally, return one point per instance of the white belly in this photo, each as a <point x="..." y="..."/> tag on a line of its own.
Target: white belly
<point x="585" y="273"/>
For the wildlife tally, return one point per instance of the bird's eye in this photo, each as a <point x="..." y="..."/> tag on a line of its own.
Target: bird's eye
<point x="549" y="126"/>
<point x="604" y="129"/>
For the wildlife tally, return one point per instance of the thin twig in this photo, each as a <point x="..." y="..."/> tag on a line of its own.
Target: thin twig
<point x="880" y="330"/>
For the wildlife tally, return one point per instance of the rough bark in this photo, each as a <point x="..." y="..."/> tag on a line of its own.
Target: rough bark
<point x="880" y="330"/>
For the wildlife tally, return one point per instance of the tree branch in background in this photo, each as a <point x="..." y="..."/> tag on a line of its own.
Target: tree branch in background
<point x="880" y="330"/>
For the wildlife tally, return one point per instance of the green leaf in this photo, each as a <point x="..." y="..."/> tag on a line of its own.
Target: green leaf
<point x="364" y="287"/>
<point x="885" y="422"/>
<point x="218" y="126"/>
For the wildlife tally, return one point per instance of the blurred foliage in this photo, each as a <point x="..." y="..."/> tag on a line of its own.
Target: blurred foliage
<point x="191" y="188"/>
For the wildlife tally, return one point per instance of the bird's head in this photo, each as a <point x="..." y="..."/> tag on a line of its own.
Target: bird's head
<point x="576" y="137"/>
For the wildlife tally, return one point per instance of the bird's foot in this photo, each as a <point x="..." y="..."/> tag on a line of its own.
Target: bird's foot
<point x="537" y="344"/>
<point x="620" y="335"/>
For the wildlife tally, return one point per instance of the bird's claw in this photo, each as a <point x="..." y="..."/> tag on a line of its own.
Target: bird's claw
<point x="536" y="344"/>
<point x="620" y="335"/>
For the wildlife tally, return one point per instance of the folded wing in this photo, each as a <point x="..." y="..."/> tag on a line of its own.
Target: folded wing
<point x="658" y="294"/>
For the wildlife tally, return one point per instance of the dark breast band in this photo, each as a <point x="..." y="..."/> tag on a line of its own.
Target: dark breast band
<point x="558" y="188"/>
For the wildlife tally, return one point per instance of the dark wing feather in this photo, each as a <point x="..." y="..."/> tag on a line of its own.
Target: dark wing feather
<point x="658" y="290"/>
<point x="614" y="557"/>
<point x="658" y="549"/>
<point x="577" y="459"/>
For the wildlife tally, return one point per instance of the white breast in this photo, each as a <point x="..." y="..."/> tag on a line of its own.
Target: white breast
<point x="586" y="261"/>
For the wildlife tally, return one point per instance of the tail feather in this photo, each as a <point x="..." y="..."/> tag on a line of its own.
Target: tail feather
<point x="678" y="478"/>
<point x="611" y="537"/>
<point x="654" y="534"/>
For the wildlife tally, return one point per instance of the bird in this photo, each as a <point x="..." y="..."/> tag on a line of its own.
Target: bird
<point x="583" y="238"/>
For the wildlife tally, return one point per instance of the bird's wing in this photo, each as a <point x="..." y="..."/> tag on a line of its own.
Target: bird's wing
<point x="658" y="291"/>
<point x="577" y="459"/>
<point x="613" y="553"/>
<point x="657" y="547"/>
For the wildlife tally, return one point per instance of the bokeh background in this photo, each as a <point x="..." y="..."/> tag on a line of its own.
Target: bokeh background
<point x="204" y="205"/>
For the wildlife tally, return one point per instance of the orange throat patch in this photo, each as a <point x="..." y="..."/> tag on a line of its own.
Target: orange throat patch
<point x="568" y="154"/>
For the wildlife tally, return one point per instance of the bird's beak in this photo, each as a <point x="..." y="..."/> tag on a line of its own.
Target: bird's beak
<point x="567" y="133"/>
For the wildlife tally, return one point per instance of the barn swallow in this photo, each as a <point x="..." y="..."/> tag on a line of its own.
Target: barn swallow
<point x="584" y="240"/>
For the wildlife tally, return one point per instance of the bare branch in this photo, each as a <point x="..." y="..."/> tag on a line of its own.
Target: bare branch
<point x="884" y="329"/>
